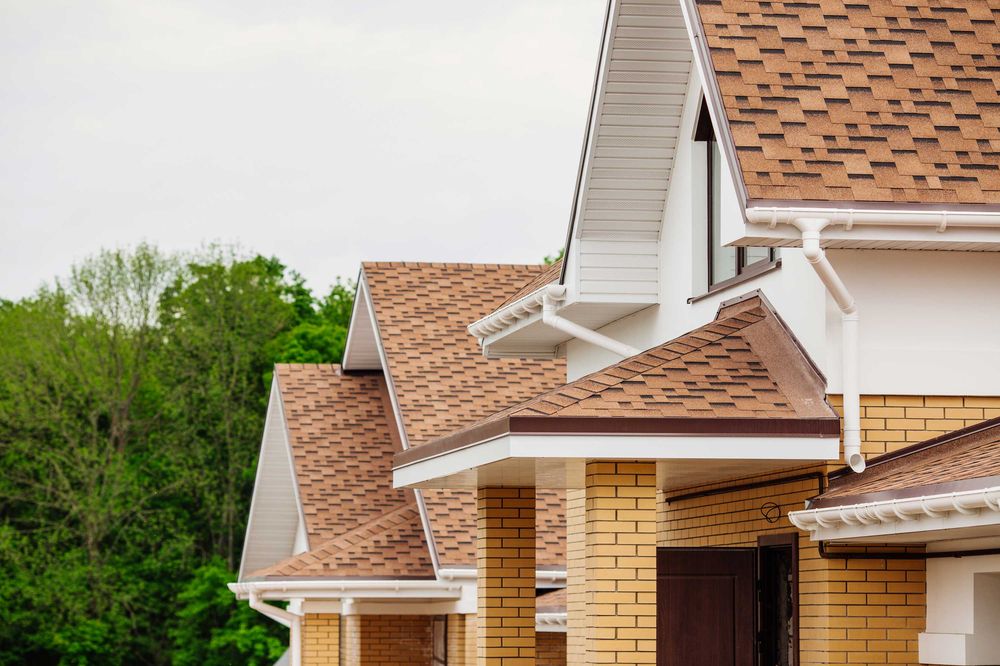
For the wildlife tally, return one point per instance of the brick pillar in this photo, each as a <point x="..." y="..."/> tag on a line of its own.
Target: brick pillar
<point x="320" y="639"/>
<point x="576" y="576"/>
<point x="461" y="640"/>
<point x="621" y="563"/>
<point x="505" y="560"/>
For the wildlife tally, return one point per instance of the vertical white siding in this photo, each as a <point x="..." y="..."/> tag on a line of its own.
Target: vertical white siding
<point x="631" y="150"/>
<point x="274" y="510"/>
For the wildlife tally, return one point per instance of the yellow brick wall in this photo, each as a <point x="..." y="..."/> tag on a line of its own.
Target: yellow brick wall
<point x="551" y="646"/>
<point x="461" y="640"/>
<point x="621" y="563"/>
<point x="320" y="639"/>
<point x="505" y="561"/>
<point x="576" y="575"/>
<point x="851" y="611"/>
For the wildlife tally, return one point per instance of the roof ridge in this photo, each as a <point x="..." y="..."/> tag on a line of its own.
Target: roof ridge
<point x="448" y="264"/>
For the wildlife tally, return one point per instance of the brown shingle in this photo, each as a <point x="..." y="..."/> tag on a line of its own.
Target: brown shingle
<point x="963" y="455"/>
<point x="442" y="381"/>
<point x="390" y="546"/>
<point x="890" y="101"/>
<point x="338" y="429"/>
<point x="356" y="522"/>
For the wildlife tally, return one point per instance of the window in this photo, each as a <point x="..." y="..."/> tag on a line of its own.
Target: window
<point x="440" y="656"/>
<point x="725" y="264"/>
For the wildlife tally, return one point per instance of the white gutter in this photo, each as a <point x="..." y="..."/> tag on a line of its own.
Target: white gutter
<point x="889" y="513"/>
<point x="508" y="315"/>
<point x="551" y="622"/>
<point x="555" y="577"/>
<point x="291" y="620"/>
<point x="941" y="220"/>
<point x="347" y="589"/>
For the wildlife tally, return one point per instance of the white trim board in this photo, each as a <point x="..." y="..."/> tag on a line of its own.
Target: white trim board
<point x="613" y="447"/>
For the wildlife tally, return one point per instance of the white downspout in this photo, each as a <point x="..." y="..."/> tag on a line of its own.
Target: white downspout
<point x="291" y="620"/>
<point x="811" y="229"/>
<point x="554" y="294"/>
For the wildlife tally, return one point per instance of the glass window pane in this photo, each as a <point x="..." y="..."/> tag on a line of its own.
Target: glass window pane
<point x="755" y="254"/>
<point x="723" y="258"/>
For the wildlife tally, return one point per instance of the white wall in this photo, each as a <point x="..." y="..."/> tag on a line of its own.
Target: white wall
<point x="963" y="611"/>
<point x="930" y="320"/>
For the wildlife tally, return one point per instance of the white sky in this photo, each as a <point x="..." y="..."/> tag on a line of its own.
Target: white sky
<point x="325" y="132"/>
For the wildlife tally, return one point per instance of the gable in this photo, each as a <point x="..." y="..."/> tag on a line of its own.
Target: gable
<point x="275" y="515"/>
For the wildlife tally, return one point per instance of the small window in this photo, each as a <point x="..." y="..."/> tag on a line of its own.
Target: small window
<point x="440" y="657"/>
<point x="724" y="263"/>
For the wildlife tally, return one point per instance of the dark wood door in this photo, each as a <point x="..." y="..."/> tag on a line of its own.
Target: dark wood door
<point x="706" y="600"/>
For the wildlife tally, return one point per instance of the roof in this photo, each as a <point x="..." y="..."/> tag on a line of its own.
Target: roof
<point x="442" y="382"/>
<point x="551" y="602"/>
<point x="390" y="546"/>
<point x="548" y="276"/>
<point x="743" y="372"/>
<point x="883" y="101"/>
<point x="960" y="460"/>
<point x="341" y="442"/>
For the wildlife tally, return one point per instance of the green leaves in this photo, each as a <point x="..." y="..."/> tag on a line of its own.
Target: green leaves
<point x="132" y="402"/>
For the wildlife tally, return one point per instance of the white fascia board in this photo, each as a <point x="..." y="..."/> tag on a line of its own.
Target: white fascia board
<point x="614" y="447"/>
<point x="554" y="578"/>
<point x="931" y="513"/>
<point x="347" y="589"/>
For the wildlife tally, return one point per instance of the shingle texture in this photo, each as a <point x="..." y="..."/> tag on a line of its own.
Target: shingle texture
<point x="548" y="276"/>
<point x="357" y="523"/>
<point x="551" y="602"/>
<point x="743" y="364"/>
<point x="884" y="101"/>
<point x="442" y="381"/>
<point x="968" y="454"/>
<point x="390" y="546"/>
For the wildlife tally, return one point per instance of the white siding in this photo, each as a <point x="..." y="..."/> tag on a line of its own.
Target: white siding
<point x="274" y="510"/>
<point x="630" y="153"/>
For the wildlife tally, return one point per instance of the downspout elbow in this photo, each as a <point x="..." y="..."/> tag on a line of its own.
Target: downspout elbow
<point x="555" y="294"/>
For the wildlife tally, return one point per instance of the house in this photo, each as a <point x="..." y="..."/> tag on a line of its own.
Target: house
<point x="781" y="259"/>
<point x="374" y="575"/>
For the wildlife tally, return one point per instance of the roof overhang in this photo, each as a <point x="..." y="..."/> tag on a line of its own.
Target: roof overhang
<point x="317" y="589"/>
<point x="943" y="512"/>
<point x="552" y="452"/>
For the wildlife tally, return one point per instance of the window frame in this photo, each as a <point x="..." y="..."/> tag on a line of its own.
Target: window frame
<point x="705" y="133"/>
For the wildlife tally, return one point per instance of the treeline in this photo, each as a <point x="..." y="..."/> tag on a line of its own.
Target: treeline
<point x="132" y="399"/>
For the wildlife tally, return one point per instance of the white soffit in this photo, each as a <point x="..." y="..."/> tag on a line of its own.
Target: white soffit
<point x="628" y="157"/>
<point x="275" y="510"/>
<point x="361" y="351"/>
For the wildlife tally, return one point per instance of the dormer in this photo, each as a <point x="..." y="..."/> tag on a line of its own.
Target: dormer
<point x="612" y="248"/>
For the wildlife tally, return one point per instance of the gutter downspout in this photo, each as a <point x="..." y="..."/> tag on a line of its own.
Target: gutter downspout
<point x="556" y="293"/>
<point x="811" y="229"/>
<point x="291" y="620"/>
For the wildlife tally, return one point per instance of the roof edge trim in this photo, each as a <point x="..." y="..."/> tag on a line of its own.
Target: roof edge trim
<point x="880" y="518"/>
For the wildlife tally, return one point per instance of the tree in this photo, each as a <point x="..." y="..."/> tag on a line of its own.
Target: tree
<point x="132" y="401"/>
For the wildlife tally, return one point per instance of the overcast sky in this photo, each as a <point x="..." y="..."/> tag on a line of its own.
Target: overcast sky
<point x="324" y="132"/>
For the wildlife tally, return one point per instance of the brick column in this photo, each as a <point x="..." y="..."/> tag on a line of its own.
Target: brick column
<point x="461" y="640"/>
<point x="621" y="563"/>
<point x="320" y="639"/>
<point x="505" y="560"/>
